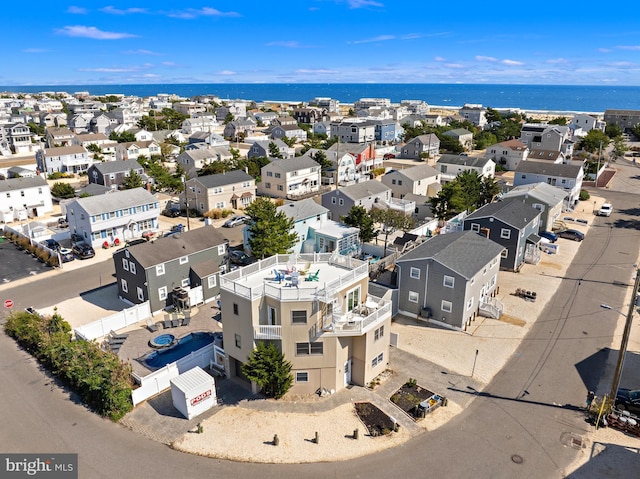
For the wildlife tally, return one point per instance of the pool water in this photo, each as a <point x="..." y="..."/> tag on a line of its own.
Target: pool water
<point x="189" y="343"/>
<point x="162" y="341"/>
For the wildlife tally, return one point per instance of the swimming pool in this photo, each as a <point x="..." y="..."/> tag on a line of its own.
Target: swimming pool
<point x="185" y="345"/>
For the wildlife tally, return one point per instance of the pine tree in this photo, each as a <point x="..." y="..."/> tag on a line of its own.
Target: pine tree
<point x="360" y="218"/>
<point x="134" y="180"/>
<point x="267" y="367"/>
<point x="271" y="231"/>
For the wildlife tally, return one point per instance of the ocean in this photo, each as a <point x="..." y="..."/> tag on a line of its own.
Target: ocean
<point x="557" y="98"/>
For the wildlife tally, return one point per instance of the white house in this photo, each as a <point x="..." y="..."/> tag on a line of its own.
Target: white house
<point x="290" y="178"/>
<point x="508" y="154"/>
<point x="23" y="197"/>
<point x="64" y="159"/>
<point x="120" y="215"/>
<point x="565" y="176"/>
<point x="451" y="166"/>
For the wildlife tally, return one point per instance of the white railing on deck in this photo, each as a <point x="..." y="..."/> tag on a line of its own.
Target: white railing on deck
<point x="263" y="331"/>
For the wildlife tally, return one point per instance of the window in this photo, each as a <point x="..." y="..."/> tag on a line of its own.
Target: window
<point x="505" y="253"/>
<point x="235" y="309"/>
<point x="124" y="286"/>
<point x="277" y="175"/>
<point x="378" y="333"/>
<point x="305" y="349"/>
<point x="132" y="267"/>
<point x="267" y="185"/>
<point x="185" y="282"/>
<point x="269" y="173"/>
<point x="162" y="293"/>
<point x="221" y="249"/>
<point x="341" y="202"/>
<point x="393" y="182"/>
<point x="211" y="281"/>
<point x="505" y="233"/>
<point x="125" y="264"/>
<point x="140" y="293"/>
<point x="449" y="281"/>
<point x="446" y="306"/>
<point x="159" y="269"/>
<point x="333" y="201"/>
<point x="184" y="259"/>
<point x="413" y="296"/>
<point x="353" y="298"/>
<point x="377" y="360"/>
<point x="280" y="188"/>
<point x="470" y="304"/>
<point x="302" y="377"/>
<point x="400" y="182"/>
<point x="238" y="340"/>
<point x="475" y="227"/>
<point x="299" y="317"/>
<point x="414" y="273"/>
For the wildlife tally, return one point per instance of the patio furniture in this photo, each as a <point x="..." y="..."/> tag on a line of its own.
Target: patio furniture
<point x="187" y="319"/>
<point x="151" y="326"/>
<point x="295" y="278"/>
<point x="167" y="322"/>
<point x="313" y="276"/>
<point x="306" y="269"/>
<point x="279" y="276"/>
<point x="114" y="335"/>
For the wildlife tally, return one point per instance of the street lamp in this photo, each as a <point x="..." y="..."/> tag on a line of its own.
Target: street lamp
<point x="615" y="383"/>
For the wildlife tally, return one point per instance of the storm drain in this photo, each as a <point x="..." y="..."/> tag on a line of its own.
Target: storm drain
<point x="572" y="440"/>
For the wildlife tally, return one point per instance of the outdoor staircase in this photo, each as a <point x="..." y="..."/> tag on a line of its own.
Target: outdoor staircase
<point x="491" y="309"/>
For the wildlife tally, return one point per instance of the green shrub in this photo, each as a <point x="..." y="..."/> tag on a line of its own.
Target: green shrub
<point x="226" y="213"/>
<point x="101" y="379"/>
<point x="584" y="195"/>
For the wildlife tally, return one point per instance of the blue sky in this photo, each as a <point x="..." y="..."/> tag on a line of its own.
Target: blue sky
<point x="320" y="41"/>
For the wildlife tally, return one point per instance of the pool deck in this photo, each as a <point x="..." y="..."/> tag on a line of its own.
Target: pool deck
<point x="135" y="348"/>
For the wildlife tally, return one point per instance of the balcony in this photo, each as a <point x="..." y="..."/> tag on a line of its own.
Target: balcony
<point x="267" y="332"/>
<point x="355" y="323"/>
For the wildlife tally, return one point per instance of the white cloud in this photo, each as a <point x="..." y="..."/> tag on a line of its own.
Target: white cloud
<point x="92" y="32"/>
<point x="379" y="38"/>
<point x="628" y="47"/>
<point x="226" y="72"/>
<point x="109" y="70"/>
<point x="557" y="61"/>
<point x="439" y="59"/>
<point x="305" y="71"/>
<point x="454" y="65"/>
<point x="482" y="58"/>
<point x="286" y="44"/>
<point x="363" y="3"/>
<point x="202" y="12"/>
<point x="511" y="62"/>
<point x="119" y="11"/>
<point x="35" y="50"/>
<point x="142" y="51"/>
<point x="605" y="50"/>
<point x="77" y="10"/>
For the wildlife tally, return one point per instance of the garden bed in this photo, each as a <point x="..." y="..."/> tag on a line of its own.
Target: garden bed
<point x="376" y="421"/>
<point x="410" y="396"/>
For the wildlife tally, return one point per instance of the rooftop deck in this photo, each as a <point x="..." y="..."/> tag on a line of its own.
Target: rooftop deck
<point x="296" y="277"/>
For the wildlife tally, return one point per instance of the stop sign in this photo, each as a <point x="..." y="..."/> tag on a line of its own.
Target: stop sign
<point x="8" y="303"/>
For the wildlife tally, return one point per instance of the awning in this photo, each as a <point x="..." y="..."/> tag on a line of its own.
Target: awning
<point x="234" y="197"/>
<point x="247" y="194"/>
<point x="533" y="238"/>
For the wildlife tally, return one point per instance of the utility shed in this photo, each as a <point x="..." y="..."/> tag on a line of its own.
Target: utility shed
<point x="193" y="392"/>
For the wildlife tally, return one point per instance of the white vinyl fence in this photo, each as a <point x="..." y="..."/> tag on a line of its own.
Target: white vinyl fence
<point x="122" y="319"/>
<point x="160" y="380"/>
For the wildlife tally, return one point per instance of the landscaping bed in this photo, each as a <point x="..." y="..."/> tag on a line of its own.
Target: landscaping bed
<point x="410" y="396"/>
<point x="375" y="420"/>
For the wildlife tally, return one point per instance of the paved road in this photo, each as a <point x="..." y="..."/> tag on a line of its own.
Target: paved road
<point x="520" y="425"/>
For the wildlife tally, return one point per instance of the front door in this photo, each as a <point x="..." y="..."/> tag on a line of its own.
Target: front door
<point x="271" y="317"/>
<point x="347" y="373"/>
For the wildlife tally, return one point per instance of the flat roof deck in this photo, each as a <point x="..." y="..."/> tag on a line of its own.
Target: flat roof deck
<point x="318" y="275"/>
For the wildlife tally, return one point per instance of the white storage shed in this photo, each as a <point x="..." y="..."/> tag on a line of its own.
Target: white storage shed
<point x="193" y="392"/>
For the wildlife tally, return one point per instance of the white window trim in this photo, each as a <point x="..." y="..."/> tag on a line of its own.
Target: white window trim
<point x="159" y="269"/>
<point x="140" y="293"/>
<point x="446" y="306"/>
<point x="414" y="273"/>
<point x="413" y="297"/>
<point x="211" y="281"/>
<point x="132" y="267"/>
<point x="185" y="282"/>
<point x="221" y="249"/>
<point x="475" y="227"/>
<point x="302" y="380"/>
<point x="125" y="264"/>
<point x="184" y="259"/>
<point x="448" y="281"/>
<point x="124" y="285"/>
<point x="162" y="293"/>
<point x="505" y="233"/>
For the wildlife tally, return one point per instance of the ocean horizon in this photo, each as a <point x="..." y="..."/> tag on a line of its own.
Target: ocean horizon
<point x="554" y="98"/>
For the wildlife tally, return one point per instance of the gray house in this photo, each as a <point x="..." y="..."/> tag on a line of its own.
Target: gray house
<point x="113" y="173"/>
<point x="512" y="224"/>
<point x="550" y="200"/>
<point x="365" y="194"/>
<point x="184" y="265"/>
<point x="448" y="278"/>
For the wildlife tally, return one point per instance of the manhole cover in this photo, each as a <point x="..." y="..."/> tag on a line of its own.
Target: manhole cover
<point x="517" y="459"/>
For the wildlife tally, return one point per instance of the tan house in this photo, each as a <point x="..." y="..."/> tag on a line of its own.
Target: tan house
<point x="234" y="189"/>
<point x="294" y="178"/>
<point x="131" y="150"/>
<point x="331" y="329"/>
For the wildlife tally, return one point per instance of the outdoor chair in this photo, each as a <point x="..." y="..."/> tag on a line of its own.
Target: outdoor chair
<point x="279" y="276"/>
<point x="151" y="326"/>
<point x="306" y="269"/>
<point x="313" y="276"/>
<point x="114" y="335"/>
<point x="294" y="279"/>
<point x="167" y="322"/>
<point x="187" y="319"/>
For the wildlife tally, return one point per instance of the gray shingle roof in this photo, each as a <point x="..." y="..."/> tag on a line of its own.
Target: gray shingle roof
<point x="549" y="169"/>
<point x="13" y="184"/>
<point x="547" y="194"/>
<point x="176" y="246"/>
<point x="222" y="179"/>
<point x="363" y="189"/>
<point x="465" y="252"/>
<point x="109" y="167"/>
<point x="471" y="161"/>
<point x="293" y="164"/>
<point x="299" y="210"/>
<point x="95" y="205"/>
<point x="512" y="212"/>
<point x="419" y="172"/>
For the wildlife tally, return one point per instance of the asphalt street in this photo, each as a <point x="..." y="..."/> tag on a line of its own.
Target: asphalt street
<point x="526" y="423"/>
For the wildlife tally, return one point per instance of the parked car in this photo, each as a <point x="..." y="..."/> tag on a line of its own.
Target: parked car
<point x="629" y="400"/>
<point x="552" y="237"/>
<point x="239" y="257"/>
<point x="572" y="234"/>
<point x="83" y="250"/>
<point x="605" y="209"/>
<point x="66" y="255"/>
<point x="179" y="228"/>
<point x="51" y="244"/>
<point x="31" y="310"/>
<point x="76" y="238"/>
<point x="235" y="221"/>
<point x="172" y="212"/>
<point x="149" y="235"/>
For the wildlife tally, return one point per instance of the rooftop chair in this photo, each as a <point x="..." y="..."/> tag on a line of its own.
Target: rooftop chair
<point x="279" y="276"/>
<point x="313" y="276"/>
<point x="151" y="326"/>
<point x="306" y="269"/>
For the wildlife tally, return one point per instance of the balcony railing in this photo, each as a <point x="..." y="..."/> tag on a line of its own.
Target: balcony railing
<point x="354" y="323"/>
<point x="267" y="332"/>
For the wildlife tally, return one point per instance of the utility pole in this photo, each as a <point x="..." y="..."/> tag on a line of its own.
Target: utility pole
<point x="599" y="156"/>
<point x="625" y="340"/>
<point x="186" y="200"/>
